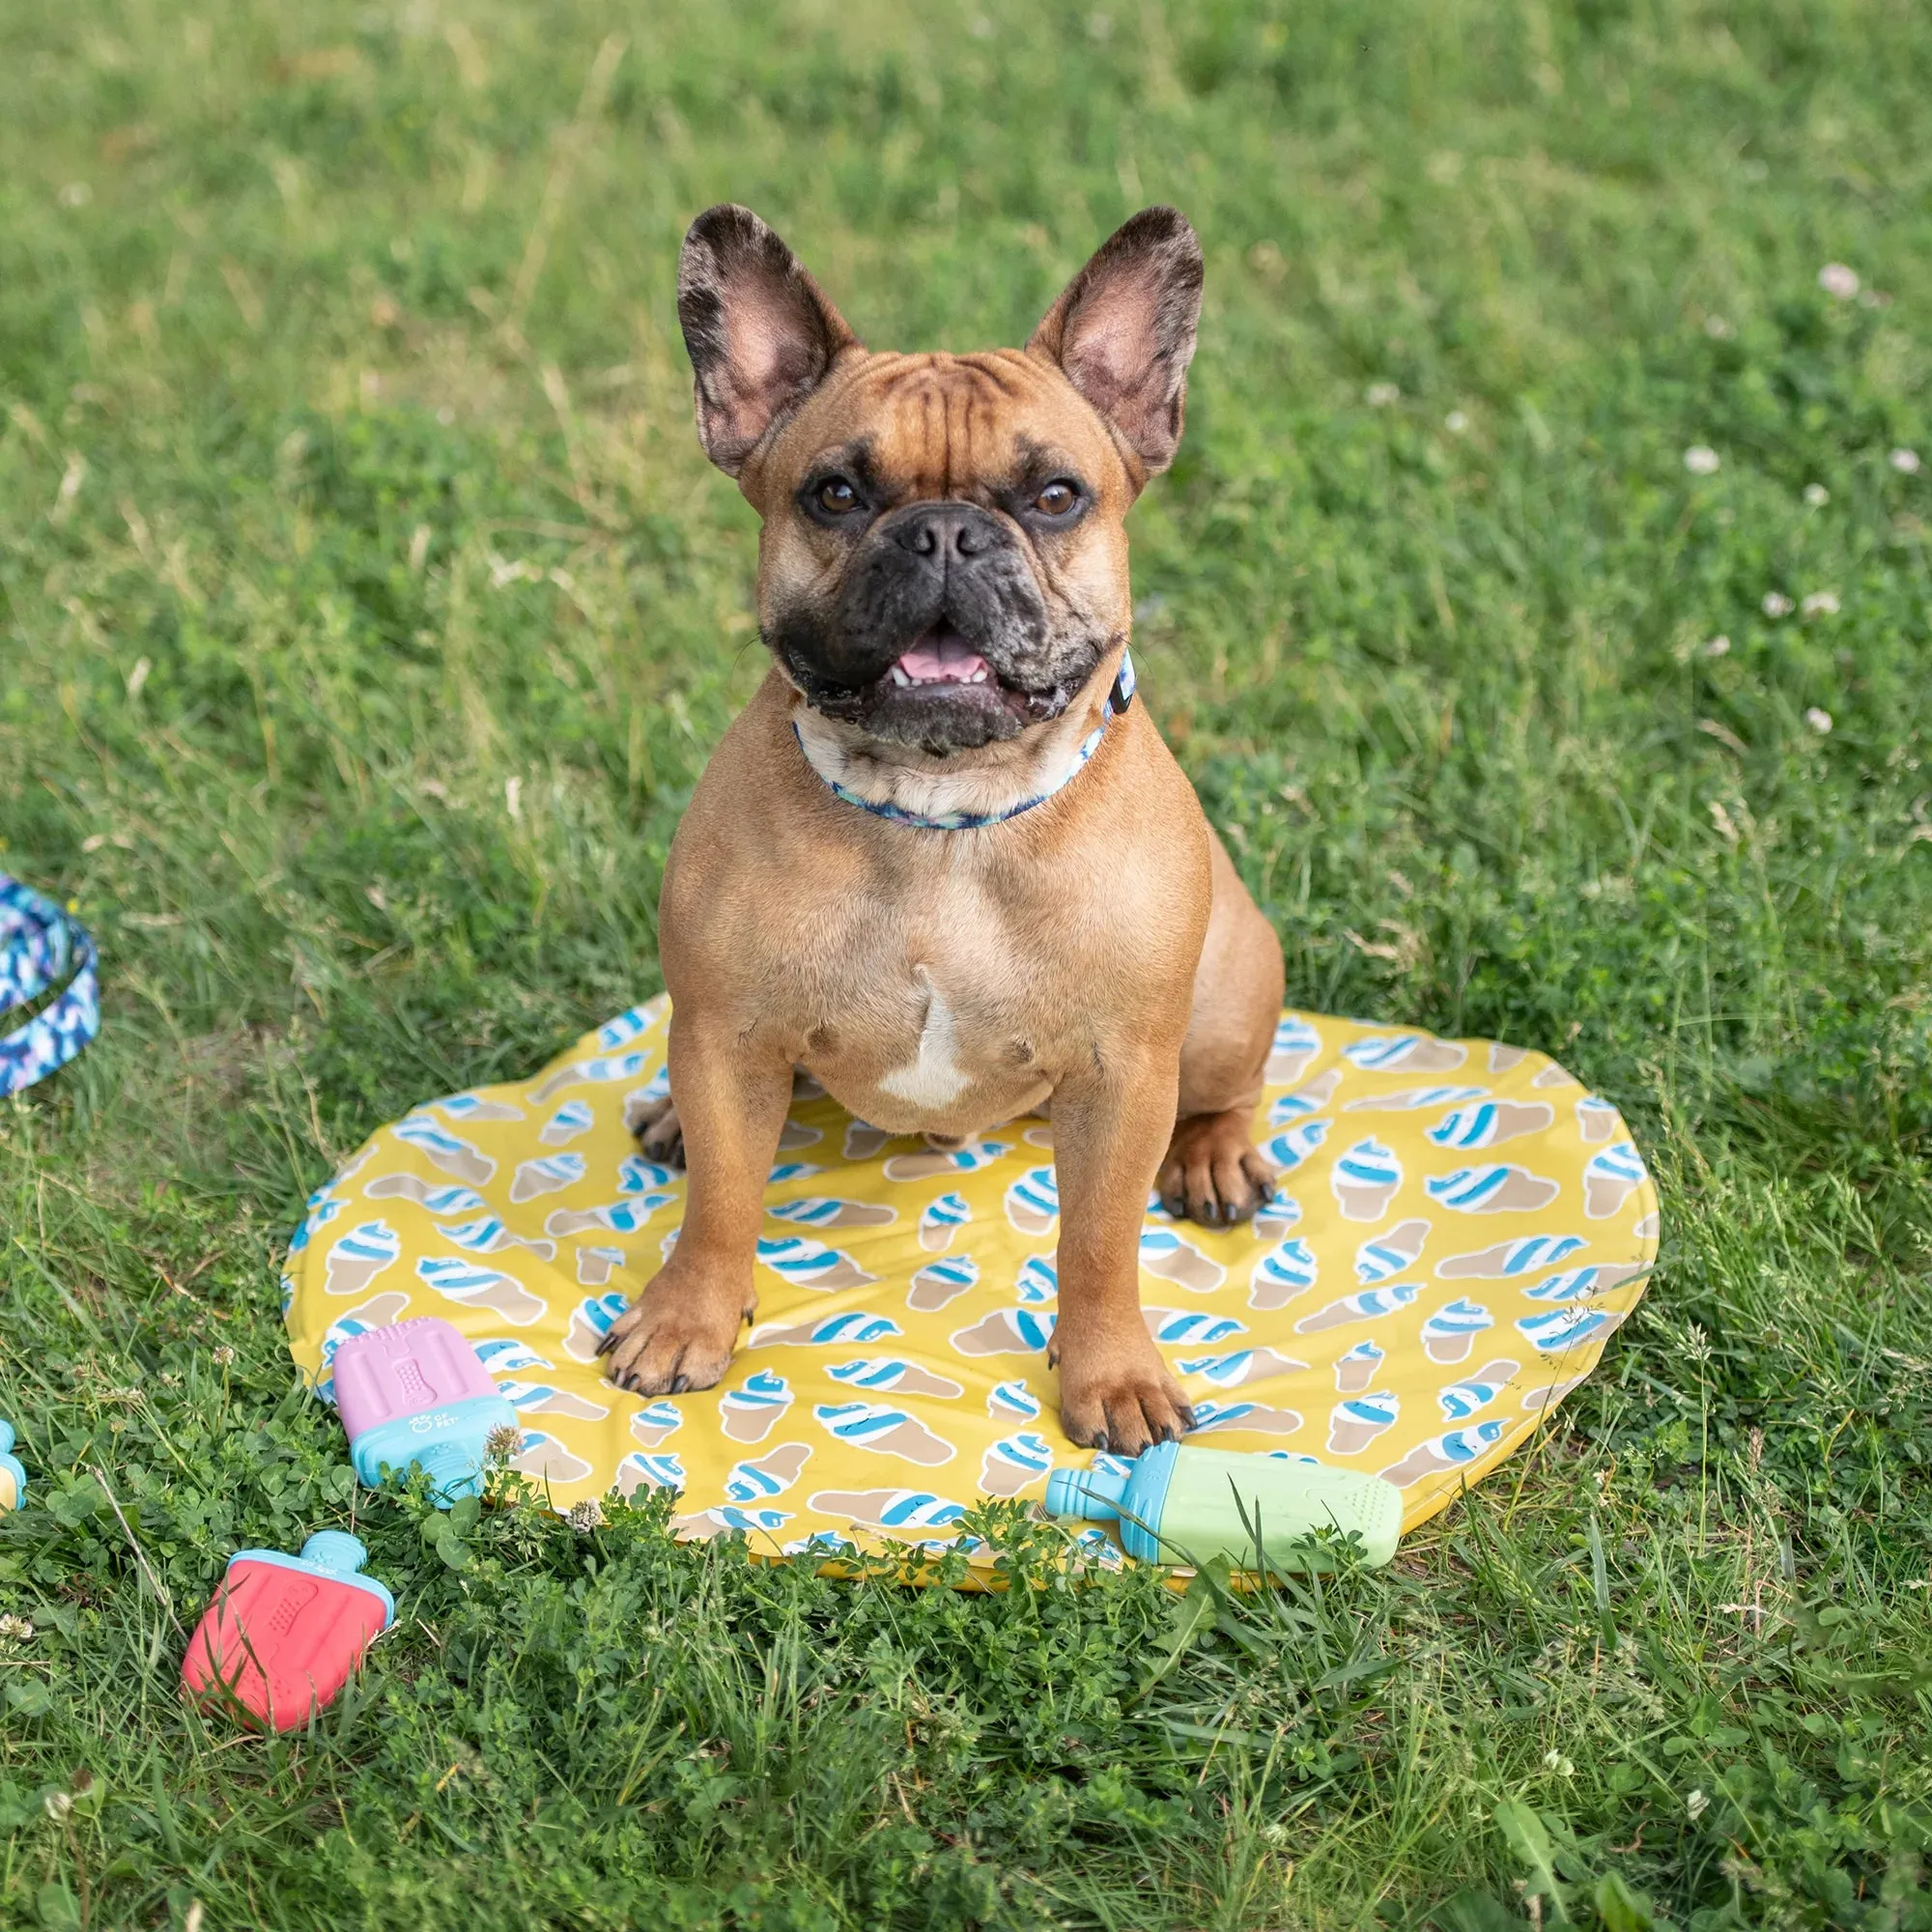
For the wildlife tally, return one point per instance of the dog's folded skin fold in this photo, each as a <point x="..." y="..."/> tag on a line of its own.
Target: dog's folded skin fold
<point x="943" y="586"/>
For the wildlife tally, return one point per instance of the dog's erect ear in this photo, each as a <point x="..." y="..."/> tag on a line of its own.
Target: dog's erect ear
<point x="1124" y="330"/>
<point x="759" y="329"/>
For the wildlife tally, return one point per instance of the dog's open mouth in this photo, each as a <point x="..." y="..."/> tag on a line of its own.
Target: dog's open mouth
<point x="940" y="656"/>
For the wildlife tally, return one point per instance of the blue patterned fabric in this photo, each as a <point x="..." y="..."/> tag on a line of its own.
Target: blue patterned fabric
<point x="1117" y="699"/>
<point x="42" y="949"/>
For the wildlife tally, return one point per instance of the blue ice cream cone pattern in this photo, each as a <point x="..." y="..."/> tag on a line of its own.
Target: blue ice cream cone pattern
<point x="1353" y="1425"/>
<point x="1171" y="1257"/>
<point x="1286" y="1151"/>
<point x="1406" y="1053"/>
<point x="1288" y="1268"/>
<point x="1038" y="1281"/>
<point x="812" y="1264"/>
<point x="1016" y="1462"/>
<point x="942" y="1281"/>
<point x="1394" y="1253"/>
<point x="821" y="1210"/>
<point x="1562" y="1329"/>
<point x="880" y="1429"/>
<point x="1356" y="1369"/>
<point x="1443" y="1455"/>
<point x="1012" y="1397"/>
<point x="1305" y="1100"/>
<point x="358" y="1256"/>
<point x="1611" y="1177"/>
<point x="1508" y="1259"/>
<point x="751" y="1411"/>
<point x="1276" y="1215"/>
<point x="1370" y="1304"/>
<point x="1366" y="1179"/>
<point x="1459" y="1401"/>
<point x="1450" y="1333"/>
<point x="1183" y="1327"/>
<point x="1033" y="1202"/>
<point x="1296" y="1047"/>
<point x="443" y="1198"/>
<point x="1489" y="1122"/>
<point x="897" y="1364"/>
<point x="572" y="1118"/>
<point x="475" y="1107"/>
<point x="941" y="1220"/>
<point x="1500" y="1188"/>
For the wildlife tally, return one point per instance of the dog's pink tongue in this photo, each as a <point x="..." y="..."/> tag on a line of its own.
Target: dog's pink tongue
<point x="937" y="660"/>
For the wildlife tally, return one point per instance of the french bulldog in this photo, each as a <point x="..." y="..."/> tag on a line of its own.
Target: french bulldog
<point x="942" y="863"/>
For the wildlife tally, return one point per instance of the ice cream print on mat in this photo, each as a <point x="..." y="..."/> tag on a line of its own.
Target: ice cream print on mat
<point x="1454" y="1231"/>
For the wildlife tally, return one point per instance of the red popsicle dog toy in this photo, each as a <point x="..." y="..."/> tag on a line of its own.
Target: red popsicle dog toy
<point x="284" y="1632"/>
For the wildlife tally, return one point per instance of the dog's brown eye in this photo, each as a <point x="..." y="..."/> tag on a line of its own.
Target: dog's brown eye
<point x="837" y="495"/>
<point x="1056" y="500"/>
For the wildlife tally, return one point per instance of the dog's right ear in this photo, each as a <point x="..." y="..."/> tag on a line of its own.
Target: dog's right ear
<point x="760" y="330"/>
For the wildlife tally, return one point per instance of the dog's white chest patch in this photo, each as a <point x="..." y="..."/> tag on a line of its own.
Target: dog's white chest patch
<point x="934" y="1078"/>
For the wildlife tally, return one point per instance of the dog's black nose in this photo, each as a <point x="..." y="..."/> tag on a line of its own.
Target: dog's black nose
<point x="944" y="530"/>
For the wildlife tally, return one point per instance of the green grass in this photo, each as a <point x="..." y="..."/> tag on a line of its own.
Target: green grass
<point x="366" y="612"/>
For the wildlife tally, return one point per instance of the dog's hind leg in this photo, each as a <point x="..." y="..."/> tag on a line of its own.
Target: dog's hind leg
<point x="1212" y="1174"/>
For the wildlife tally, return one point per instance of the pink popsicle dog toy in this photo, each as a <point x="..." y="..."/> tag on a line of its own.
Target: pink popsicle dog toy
<point x="415" y="1393"/>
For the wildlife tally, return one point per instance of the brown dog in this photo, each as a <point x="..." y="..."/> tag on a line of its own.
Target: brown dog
<point x="942" y="862"/>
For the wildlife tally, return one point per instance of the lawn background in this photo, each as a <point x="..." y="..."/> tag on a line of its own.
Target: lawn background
<point x="366" y="612"/>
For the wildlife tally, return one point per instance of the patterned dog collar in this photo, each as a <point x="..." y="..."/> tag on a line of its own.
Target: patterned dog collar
<point x="1117" y="699"/>
<point x="41" y="948"/>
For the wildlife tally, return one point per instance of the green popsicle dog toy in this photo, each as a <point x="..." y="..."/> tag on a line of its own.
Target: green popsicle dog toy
<point x="1178" y="1504"/>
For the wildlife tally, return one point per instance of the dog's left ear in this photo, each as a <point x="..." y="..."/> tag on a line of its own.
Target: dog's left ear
<point x="760" y="332"/>
<point x="1123" y="331"/>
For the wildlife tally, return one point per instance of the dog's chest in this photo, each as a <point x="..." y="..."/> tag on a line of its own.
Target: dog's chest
<point x="940" y="1025"/>
<point x="935" y="1077"/>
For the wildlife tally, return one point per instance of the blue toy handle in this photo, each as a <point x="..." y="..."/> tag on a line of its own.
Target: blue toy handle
<point x="11" y="1470"/>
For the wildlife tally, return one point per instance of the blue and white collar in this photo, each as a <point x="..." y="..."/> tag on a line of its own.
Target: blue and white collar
<point x="1118" y="701"/>
<point x="42" y="949"/>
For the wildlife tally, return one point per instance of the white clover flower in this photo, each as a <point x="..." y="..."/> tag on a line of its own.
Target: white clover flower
<point x="1821" y="604"/>
<point x="1718" y="646"/>
<point x="1717" y="328"/>
<point x="1819" y="720"/>
<point x="1817" y="495"/>
<point x="1456" y="423"/>
<point x="15" y="1628"/>
<point x="1777" y="604"/>
<point x="1701" y="460"/>
<point x="1905" y="461"/>
<point x="1379" y="395"/>
<point x="586" y="1516"/>
<point x="222" y="1356"/>
<point x="1837" y="280"/>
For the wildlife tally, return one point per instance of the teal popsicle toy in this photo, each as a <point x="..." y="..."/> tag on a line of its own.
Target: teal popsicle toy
<point x="1180" y="1504"/>
<point x="13" y="1472"/>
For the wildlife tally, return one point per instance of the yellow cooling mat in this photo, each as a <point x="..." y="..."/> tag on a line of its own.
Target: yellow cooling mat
<point x="1457" y="1228"/>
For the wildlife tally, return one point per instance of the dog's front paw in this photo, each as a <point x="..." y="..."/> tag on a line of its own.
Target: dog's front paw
<point x="672" y="1337"/>
<point x="1212" y="1174"/>
<point x="1116" y="1394"/>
